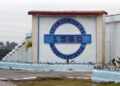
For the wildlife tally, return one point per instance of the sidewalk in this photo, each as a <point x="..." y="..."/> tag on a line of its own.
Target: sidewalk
<point x="2" y="83"/>
<point x="25" y="75"/>
<point x="17" y="74"/>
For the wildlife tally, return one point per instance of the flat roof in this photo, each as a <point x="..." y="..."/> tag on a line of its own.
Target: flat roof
<point x="113" y="18"/>
<point x="90" y="13"/>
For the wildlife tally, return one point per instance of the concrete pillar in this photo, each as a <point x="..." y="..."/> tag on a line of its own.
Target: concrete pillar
<point x="101" y="40"/>
<point x="34" y="38"/>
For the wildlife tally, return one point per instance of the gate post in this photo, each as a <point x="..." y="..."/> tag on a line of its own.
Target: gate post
<point x="34" y="39"/>
<point x="101" y="40"/>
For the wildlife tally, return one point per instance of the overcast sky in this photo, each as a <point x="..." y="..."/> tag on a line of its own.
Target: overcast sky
<point x="15" y="21"/>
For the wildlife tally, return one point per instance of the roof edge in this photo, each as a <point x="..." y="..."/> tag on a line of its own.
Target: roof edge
<point x="91" y="13"/>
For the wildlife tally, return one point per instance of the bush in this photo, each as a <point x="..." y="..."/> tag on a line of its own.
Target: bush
<point x="28" y="45"/>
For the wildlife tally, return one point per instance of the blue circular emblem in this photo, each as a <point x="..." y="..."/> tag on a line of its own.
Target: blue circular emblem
<point x="82" y="32"/>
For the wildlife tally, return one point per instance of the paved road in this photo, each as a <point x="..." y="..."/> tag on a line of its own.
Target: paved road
<point x="19" y="74"/>
<point x="24" y="74"/>
<point x="2" y="83"/>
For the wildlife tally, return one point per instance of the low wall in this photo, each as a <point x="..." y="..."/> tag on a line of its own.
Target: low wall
<point x="105" y="76"/>
<point x="46" y="67"/>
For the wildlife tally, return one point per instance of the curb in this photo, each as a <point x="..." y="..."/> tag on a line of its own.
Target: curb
<point x="18" y="79"/>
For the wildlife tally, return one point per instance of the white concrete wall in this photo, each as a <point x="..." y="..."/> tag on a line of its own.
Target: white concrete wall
<point x="112" y="40"/>
<point x="45" y="52"/>
<point x="107" y="43"/>
<point x="19" y="54"/>
<point x="89" y="55"/>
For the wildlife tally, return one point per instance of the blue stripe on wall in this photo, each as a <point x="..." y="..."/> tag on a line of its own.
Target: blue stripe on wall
<point x="38" y="43"/>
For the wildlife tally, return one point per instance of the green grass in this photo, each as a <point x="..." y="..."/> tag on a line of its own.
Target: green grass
<point x="56" y="81"/>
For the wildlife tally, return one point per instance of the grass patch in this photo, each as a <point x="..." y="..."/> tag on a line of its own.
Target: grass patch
<point x="62" y="81"/>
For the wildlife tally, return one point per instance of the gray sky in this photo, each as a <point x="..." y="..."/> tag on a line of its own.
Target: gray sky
<point x="15" y="21"/>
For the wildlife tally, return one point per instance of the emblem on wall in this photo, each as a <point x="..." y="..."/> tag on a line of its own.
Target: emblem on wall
<point x="83" y="38"/>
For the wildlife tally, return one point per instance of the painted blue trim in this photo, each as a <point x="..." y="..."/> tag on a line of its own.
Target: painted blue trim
<point x="66" y="63"/>
<point x="96" y="41"/>
<point x="105" y="76"/>
<point x="38" y="43"/>
<point x="16" y="62"/>
<point x="54" y="63"/>
<point x="46" y="67"/>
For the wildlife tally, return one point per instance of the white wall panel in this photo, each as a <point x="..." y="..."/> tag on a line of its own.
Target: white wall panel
<point x="20" y="54"/>
<point x="115" y="40"/>
<point x="45" y="52"/>
<point x="112" y="40"/>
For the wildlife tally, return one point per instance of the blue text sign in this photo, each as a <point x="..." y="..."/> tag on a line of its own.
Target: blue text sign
<point x="67" y="38"/>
